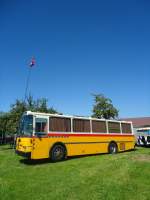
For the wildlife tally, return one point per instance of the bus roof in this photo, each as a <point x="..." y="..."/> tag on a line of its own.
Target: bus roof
<point x="73" y="116"/>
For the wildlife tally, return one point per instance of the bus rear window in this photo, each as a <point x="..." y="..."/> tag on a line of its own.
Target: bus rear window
<point x="26" y="125"/>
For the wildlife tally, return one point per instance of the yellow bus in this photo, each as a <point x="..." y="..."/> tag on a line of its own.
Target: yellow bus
<point x="56" y="137"/>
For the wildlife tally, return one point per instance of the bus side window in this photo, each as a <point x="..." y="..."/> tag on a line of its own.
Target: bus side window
<point x="114" y="127"/>
<point x="81" y="125"/>
<point x="99" y="126"/>
<point x="126" y="128"/>
<point x="59" y="124"/>
<point x="41" y="125"/>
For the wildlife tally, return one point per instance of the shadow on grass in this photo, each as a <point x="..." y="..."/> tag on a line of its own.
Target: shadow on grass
<point x="34" y="162"/>
<point x="130" y="150"/>
<point x="45" y="161"/>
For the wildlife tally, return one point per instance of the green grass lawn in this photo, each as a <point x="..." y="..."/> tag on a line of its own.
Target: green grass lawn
<point x="121" y="176"/>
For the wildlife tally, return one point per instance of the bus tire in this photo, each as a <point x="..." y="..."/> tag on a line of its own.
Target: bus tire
<point x="112" y="148"/>
<point x="58" y="152"/>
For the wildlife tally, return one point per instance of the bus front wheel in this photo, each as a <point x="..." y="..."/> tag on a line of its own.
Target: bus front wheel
<point x="112" y="148"/>
<point x="58" y="153"/>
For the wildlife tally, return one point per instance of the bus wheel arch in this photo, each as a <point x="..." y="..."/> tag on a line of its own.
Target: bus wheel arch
<point x="58" y="152"/>
<point x="112" y="147"/>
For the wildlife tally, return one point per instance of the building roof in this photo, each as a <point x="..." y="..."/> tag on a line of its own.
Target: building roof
<point x="139" y="121"/>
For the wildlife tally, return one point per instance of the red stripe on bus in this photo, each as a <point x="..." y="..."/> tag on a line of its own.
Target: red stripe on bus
<point x="89" y="135"/>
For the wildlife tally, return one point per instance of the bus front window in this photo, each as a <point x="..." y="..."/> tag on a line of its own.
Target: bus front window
<point x="26" y="125"/>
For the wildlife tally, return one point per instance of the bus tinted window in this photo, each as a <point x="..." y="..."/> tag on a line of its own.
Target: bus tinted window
<point x="126" y="128"/>
<point x="98" y="126"/>
<point x="80" y="125"/>
<point x="114" y="127"/>
<point x="59" y="124"/>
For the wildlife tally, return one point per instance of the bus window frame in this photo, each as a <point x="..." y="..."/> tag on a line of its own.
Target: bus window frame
<point x="115" y="122"/>
<point x="131" y="128"/>
<point x="99" y="120"/>
<point x="34" y="124"/>
<point x="60" y="118"/>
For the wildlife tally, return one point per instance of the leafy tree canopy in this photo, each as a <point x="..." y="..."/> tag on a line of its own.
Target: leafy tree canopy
<point x="103" y="107"/>
<point x="9" y="121"/>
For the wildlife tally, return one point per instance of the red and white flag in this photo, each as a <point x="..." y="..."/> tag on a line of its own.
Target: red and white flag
<point x="32" y="63"/>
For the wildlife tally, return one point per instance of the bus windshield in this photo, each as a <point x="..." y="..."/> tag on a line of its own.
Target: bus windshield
<point x="26" y="125"/>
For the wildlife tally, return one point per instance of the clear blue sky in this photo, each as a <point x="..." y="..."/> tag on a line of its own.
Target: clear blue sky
<point x="81" y="47"/>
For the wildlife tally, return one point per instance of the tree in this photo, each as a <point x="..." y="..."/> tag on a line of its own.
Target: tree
<point x="4" y="123"/>
<point x="103" y="107"/>
<point x="9" y="122"/>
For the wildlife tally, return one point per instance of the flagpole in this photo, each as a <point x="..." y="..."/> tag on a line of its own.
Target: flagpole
<point x="27" y="84"/>
<point x="32" y="63"/>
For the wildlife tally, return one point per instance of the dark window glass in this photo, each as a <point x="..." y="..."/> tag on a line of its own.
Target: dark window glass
<point x="98" y="126"/>
<point x="81" y="125"/>
<point x="59" y="124"/>
<point x="114" y="127"/>
<point x="126" y="128"/>
<point x="40" y="125"/>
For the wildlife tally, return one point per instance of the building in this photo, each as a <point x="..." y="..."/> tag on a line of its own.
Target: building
<point x="139" y="122"/>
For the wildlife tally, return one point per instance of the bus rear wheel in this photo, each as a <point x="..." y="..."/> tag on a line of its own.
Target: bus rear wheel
<point x="58" y="153"/>
<point x="112" y="148"/>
